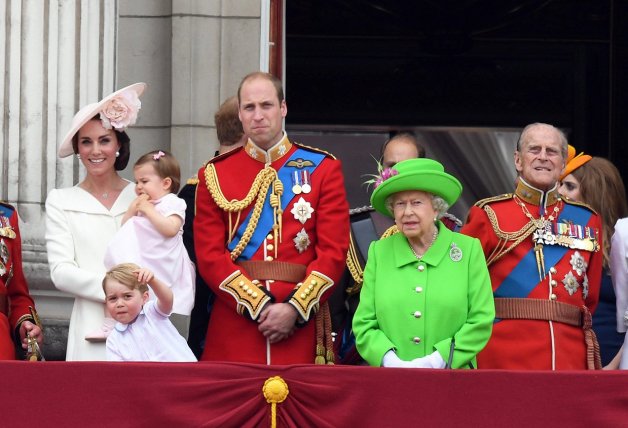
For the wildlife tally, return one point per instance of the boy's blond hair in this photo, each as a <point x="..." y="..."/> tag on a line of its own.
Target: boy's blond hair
<point x="124" y="274"/>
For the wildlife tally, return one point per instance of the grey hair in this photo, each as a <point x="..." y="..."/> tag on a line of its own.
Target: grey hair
<point x="438" y="204"/>
<point x="561" y="136"/>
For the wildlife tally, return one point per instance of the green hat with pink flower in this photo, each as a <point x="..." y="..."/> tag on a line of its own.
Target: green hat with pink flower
<point x="117" y="111"/>
<point x="426" y="175"/>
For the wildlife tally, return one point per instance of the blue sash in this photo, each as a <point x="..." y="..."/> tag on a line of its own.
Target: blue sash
<point x="524" y="277"/>
<point x="266" y="221"/>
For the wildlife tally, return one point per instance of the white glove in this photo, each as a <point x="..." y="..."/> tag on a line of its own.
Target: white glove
<point x="432" y="361"/>
<point x="392" y="360"/>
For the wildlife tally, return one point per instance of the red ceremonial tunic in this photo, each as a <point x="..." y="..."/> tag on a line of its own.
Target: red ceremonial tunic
<point x="321" y="247"/>
<point x="573" y="278"/>
<point x="13" y="288"/>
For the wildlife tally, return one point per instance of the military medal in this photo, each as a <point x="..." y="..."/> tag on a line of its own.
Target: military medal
<point x="6" y="229"/>
<point x="302" y="210"/>
<point x="301" y="241"/>
<point x="455" y="253"/>
<point x="306" y="187"/>
<point x="296" y="183"/>
<point x="4" y="251"/>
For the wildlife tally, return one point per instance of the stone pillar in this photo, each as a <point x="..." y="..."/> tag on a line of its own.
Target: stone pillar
<point x="59" y="56"/>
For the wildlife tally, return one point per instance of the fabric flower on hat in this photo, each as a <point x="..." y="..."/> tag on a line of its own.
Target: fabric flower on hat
<point x="383" y="175"/>
<point x="121" y="111"/>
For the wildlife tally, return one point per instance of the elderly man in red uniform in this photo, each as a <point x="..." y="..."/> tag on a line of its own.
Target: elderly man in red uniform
<point x="544" y="258"/>
<point x="271" y="234"/>
<point x="17" y="313"/>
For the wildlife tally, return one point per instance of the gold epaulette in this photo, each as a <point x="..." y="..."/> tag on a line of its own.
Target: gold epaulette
<point x="497" y="198"/>
<point x="314" y="149"/>
<point x="580" y="204"/>
<point x="307" y="294"/>
<point x="224" y="155"/>
<point x="390" y="231"/>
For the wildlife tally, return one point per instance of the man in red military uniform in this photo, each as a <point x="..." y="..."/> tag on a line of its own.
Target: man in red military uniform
<point x="544" y="258"/>
<point x="16" y="319"/>
<point x="271" y="235"/>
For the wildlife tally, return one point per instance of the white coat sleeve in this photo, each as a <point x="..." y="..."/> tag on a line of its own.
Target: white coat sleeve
<point x="619" y="270"/>
<point x="65" y="273"/>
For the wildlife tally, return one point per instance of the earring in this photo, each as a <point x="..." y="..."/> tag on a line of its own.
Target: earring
<point x="117" y="154"/>
<point x="78" y="155"/>
<point x="435" y="219"/>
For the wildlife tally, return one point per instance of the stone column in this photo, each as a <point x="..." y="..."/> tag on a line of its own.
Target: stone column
<point x="56" y="56"/>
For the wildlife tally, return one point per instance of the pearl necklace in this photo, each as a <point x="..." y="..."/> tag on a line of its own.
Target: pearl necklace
<point x="419" y="256"/>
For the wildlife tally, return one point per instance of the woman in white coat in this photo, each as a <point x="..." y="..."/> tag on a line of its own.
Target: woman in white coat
<point x="80" y="220"/>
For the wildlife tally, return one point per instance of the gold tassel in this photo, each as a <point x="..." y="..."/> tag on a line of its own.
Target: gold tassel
<point x="540" y="260"/>
<point x="275" y="391"/>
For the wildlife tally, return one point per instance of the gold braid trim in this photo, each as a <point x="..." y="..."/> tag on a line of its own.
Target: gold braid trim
<point x="248" y="294"/>
<point x="504" y="237"/>
<point x="390" y="231"/>
<point x="258" y="191"/>
<point x="355" y="269"/>
<point x="308" y="293"/>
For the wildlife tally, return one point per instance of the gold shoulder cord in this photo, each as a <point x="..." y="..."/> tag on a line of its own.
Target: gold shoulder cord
<point x="504" y="237"/>
<point x="258" y="191"/>
<point x="390" y="231"/>
<point x="353" y="264"/>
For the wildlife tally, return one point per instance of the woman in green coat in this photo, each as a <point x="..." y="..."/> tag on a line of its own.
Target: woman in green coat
<point x="427" y="296"/>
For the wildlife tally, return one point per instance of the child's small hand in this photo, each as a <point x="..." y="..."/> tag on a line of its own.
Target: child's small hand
<point x="144" y="275"/>
<point x="144" y="204"/>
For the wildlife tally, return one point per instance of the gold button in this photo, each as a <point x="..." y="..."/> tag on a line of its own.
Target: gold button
<point x="421" y="268"/>
<point x="416" y="340"/>
<point x="418" y="289"/>
<point x="417" y="314"/>
<point x="246" y="287"/>
<point x="553" y="296"/>
<point x="270" y="247"/>
<point x="310" y="287"/>
<point x="313" y="282"/>
<point x="249" y="291"/>
<point x="553" y="283"/>
<point x="303" y="296"/>
<point x="254" y="295"/>
<point x="241" y="283"/>
<point x="553" y="270"/>
<point x="269" y="237"/>
<point x="269" y="258"/>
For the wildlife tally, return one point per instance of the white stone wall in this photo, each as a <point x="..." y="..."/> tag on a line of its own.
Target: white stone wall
<point x="58" y="55"/>
<point x="192" y="55"/>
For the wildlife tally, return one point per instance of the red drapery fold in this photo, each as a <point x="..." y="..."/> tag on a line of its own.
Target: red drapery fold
<point x="86" y="394"/>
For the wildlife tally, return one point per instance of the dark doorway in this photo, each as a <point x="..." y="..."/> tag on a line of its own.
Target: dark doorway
<point x="383" y="65"/>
